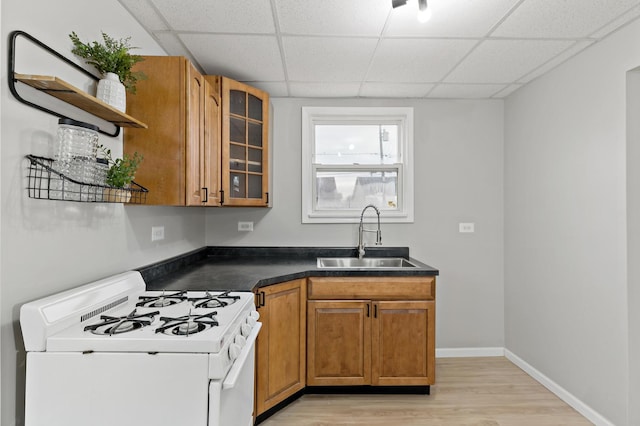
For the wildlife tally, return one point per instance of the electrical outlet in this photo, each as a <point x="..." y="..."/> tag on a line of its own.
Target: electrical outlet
<point x="467" y="227"/>
<point x="245" y="226"/>
<point x="157" y="233"/>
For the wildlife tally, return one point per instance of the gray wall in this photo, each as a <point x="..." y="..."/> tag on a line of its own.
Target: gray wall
<point x="633" y="242"/>
<point x="458" y="163"/>
<point x="565" y="224"/>
<point x="50" y="246"/>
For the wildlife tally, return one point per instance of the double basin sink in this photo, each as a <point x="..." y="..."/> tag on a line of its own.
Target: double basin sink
<point x="364" y="263"/>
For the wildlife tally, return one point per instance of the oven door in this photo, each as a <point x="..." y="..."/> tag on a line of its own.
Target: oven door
<point x="231" y="399"/>
<point x="109" y="389"/>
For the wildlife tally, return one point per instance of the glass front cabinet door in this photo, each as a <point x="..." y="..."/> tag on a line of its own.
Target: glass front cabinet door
<point x="245" y="143"/>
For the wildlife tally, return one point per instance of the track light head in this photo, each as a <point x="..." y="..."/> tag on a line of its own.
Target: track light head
<point x="398" y="3"/>
<point x="424" y="13"/>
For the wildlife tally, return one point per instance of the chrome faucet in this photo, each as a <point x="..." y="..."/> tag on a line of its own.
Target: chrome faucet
<point x="361" y="230"/>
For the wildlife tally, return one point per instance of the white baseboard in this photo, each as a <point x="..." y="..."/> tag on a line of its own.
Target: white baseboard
<point x="468" y="352"/>
<point x="582" y="408"/>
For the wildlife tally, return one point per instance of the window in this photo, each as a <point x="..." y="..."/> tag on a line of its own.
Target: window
<point x="352" y="157"/>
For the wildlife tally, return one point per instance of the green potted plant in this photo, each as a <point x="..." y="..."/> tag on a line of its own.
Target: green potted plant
<point x="112" y="58"/>
<point x="120" y="174"/>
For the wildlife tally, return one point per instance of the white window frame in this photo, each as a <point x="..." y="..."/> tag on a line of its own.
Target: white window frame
<point x="403" y="116"/>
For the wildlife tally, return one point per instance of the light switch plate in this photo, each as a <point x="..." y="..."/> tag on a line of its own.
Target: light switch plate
<point x="467" y="227"/>
<point x="245" y="226"/>
<point x="157" y="233"/>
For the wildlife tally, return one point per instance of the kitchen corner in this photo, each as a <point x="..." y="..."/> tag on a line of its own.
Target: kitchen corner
<point x="318" y="321"/>
<point x="250" y="268"/>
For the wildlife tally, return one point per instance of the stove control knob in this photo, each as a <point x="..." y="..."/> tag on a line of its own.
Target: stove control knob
<point x="255" y="315"/>
<point x="240" y="340"/>
<point x="234" y="351"/>
<point x="245" y="329"/>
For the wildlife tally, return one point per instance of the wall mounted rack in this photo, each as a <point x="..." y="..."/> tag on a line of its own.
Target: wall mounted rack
<point x="64" y="91"/>
<point x="46" y="183"/>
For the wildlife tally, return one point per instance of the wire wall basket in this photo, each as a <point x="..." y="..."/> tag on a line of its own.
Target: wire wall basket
<point x="46" y="183"/>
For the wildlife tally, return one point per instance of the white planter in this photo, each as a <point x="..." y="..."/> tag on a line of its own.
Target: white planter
<point x="112" y="92"/>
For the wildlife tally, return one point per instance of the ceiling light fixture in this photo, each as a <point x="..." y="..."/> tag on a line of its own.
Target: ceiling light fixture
<point x="424" y="13"/>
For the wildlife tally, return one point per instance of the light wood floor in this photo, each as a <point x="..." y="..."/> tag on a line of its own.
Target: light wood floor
<point x="468" y="392"/>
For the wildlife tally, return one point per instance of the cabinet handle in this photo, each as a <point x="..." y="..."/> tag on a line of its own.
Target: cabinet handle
<point x="206" y="195"/>
<point x="262" y="296"/>
<point x="222" y="196"/>
<point x="368" y="308"/>
<point x="267" y="197"/>
<point x="375" y="311"/>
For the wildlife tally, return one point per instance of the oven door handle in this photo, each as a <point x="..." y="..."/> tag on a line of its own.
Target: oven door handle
<point x="230" y="381"/>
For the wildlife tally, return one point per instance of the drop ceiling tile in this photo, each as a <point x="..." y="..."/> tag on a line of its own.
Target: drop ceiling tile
<point x="630" y="15"/>
<point x="172" y="45"/>
<point x="554" y="62"/>
<point x="507" y="90"/>
<point x="465" y="91"/>
<point x="146" y="14"/>
<point x="503" y="61"/>
<point x="395" y="90"/>
<point x="416" y="60"/>
<point x="237" y="16"/>
<point x="241" y="57"/>
<point x="324" y="90"/>
<point x="450" y="18"/>
<point x="332" y="17"/>
<point x="275" y="89"/>
<point x="327" y="59"/>
<point x="561" y="19"/>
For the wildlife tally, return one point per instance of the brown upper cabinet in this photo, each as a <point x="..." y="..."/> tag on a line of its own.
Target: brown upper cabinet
<point x="245" y="147"/>
<point x="191" y="156"/>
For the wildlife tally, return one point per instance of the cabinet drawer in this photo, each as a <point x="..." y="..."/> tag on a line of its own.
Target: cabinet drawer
<point x="372" y="288"/>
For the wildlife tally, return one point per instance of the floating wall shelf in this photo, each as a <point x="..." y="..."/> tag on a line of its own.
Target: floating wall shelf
<point x="64" y="91"/>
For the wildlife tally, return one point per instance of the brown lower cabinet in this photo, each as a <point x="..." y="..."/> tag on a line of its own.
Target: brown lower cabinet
<point x="280" y="349"/>
<point x="360" y="331"/>
<point x="376" y="331"/>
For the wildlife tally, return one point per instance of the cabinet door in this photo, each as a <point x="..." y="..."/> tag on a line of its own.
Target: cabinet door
<point x="195" y="141"/>
<point x="210" y="157"/>
<point x="280" y="349"/>
<point x="161" y="102"/>
<point x="338" y="342"/>
<point x="403" y="343"/>
<point x="245" y="129"/>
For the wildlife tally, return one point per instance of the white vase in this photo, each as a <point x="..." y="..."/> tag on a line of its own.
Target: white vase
<point x="112" y="91"/>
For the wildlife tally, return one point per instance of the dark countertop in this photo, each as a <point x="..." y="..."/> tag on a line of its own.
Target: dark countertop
<point x="248" y="268"/>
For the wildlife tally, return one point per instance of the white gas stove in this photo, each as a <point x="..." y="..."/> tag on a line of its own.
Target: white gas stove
<point x="111" y="353"/>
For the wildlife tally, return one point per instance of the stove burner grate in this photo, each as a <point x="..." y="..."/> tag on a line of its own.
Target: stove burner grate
<point x="188" y="324"/>
<point x="162" y="300"/>
<point x="117" y="325"/>
<point x="214" y="301"/>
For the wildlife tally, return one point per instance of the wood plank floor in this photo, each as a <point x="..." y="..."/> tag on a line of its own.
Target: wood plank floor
<point x="469" y="392"/>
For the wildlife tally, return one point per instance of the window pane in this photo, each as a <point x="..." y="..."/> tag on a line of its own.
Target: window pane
<point x="238" y="185"/>
<point x="356" y="144"/>
<point x="237" y="157"/>
<point x="356" y="189"/>
<point x="255" y="108"/>
<point x="237" y="131"/>
<point x="255" y="186"/>
<point x="238" y="102"/>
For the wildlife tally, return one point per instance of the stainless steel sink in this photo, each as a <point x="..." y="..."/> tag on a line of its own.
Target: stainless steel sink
<point x="364" y="263"/>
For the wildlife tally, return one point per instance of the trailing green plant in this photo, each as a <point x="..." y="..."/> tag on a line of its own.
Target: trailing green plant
<point x="110" y="56"/>
<point x="121" y="170"/>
